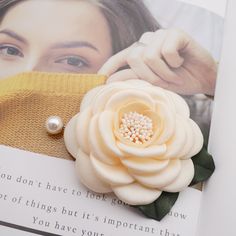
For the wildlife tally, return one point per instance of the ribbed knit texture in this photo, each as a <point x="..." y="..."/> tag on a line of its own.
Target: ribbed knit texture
<point x="28" y="99"/>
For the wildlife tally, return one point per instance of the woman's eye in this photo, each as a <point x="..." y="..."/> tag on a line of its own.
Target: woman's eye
<point x="73" y="61"/>
<point x="10" y="51"/>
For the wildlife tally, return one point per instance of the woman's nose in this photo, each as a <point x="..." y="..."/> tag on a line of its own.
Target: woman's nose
<point x="34" y="64"/>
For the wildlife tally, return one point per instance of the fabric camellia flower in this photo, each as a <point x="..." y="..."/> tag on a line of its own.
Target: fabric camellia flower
<point x="133" y="139"/>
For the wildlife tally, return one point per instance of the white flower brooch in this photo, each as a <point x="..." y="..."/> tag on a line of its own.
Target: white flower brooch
<point x="138" y="141"/>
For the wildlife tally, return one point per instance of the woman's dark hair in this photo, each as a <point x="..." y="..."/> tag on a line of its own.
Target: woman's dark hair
<point x="127" y="19"/>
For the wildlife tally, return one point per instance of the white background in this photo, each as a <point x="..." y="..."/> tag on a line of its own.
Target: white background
<point x="217" y="6"/>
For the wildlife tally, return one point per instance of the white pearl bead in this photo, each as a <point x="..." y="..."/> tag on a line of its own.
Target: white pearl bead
<point x="54" y="125"/>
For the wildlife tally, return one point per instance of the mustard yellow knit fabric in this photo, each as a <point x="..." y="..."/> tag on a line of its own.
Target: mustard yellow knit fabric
<point x="28" y="99"/>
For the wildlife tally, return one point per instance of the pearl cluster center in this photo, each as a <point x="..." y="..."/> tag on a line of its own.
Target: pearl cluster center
<point x="136" y="127"/>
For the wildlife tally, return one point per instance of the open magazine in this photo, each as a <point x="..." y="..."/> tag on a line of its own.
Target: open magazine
<point x="42" y="195"/>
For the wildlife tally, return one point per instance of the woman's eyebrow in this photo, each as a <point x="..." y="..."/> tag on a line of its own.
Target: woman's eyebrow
<point x="13" y="35"/>
<point x="74" y="44"/>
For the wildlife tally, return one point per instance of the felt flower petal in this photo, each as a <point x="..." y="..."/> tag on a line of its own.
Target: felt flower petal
<point x="126" y="96"/>
<point x="184" y="178"/>
<point x="183" y="154"/>
<point x="136" y="194"/>
<point x="159" y="94"/>
<point x="161" y="178"/>
<point x="105" y="126"/>
<point x="89" y="98"/>
<point x="88" y="175"/>
<point x="70" y="136"/>
<point x="144" y="166"/>
<point x="98" y="147"/>
<point x="104" y="95"/>
<point x="111" y="174"/>
<point x="181" y="106"/>
<point x="148" y="152"/>
<point x="198" y="140"/>
<point x="82" y="127"/>
<point x="168" y="118"/>
<point x="177" y="141"/>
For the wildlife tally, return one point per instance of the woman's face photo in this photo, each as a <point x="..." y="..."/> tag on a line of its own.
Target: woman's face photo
<point x="54" y="36"/>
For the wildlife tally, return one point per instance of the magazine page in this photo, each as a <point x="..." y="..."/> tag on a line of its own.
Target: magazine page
<point x="42" y="195"/>
<point x="112" y="95"/>
<point x="217" y="215"/>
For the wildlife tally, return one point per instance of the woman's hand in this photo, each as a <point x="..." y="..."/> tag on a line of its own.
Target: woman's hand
<point x="167" y="58"/>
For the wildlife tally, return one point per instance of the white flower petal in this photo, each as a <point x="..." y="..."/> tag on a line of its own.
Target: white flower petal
<point x="104" y="95"/>
<point x="169" y="121"/>
<point x="128" y="95"/>
<point x="136" y="194"/>
<point x="198" y="140"/>
<point x="111" y="174"/>
<point x="82" y="127"/>
<point x="89" y="97"/>
<point x="70" y="136"/>
<point x="105" y="126"/>
<point x="144" y="166"/>
<point x="159" y="95"/>
<point x="88" y="175"/>
<point x="181" y="106"/>
<point x="161" y="178"/>
<point x="148" y="152"/>
<point x="187" y="127"/>
<point x="184" y="178"/>
<point x="177" y="141"/>
<point x="98" y="147"/>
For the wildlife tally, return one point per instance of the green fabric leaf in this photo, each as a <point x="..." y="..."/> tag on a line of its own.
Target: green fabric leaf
<point x="159" y="208"/>
<point x="203" y="166"/>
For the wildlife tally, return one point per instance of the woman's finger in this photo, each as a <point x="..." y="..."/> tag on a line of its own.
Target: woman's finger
<point x="147" y="37"/>
<point x="119" y="60"/>
<point x="128" y="74"/>
<point x="136" y="63"/>
<point x="175" y="42"/>
<point x="115" y="62"/>
<point x="122" y="75"/>
<point x="152" y="57"/>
